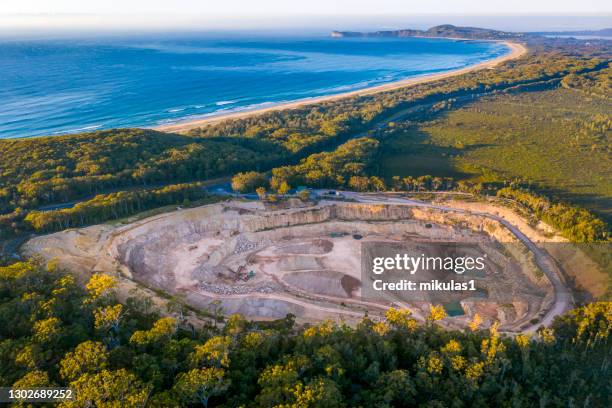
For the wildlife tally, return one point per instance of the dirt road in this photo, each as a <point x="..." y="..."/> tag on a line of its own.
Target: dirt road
<point x="563" y="299"/>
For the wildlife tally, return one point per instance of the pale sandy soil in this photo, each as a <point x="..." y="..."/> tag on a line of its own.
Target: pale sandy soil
<point x="306" y="260"/>
<point x="576" y="264"/>
<point x="189" y="256"/>
<point x="516" y="51"/>
<point x="543" y="233"/>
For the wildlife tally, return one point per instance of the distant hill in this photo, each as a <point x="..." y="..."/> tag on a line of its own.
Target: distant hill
<point x="440" y="31"/>
<point x="604" y="32"/>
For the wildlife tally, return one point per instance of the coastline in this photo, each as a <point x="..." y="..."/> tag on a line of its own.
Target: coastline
<point x="517" y="50"/>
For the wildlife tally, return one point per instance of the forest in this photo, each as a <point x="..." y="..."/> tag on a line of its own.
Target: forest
<point x="350" y="167"/>
<point x="59" y="333"/>
<point x="114" y="206"/>
<point x="50" y="170"/>
<point x="103" y="207"/>
<point x="329" y="169"/>
<point x="41" y="173"/>
<point x="558" y="139"/>
<point x="577" y="224"/>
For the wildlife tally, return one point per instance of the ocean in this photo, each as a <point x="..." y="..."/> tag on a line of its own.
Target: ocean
<point x="53" y="87"/>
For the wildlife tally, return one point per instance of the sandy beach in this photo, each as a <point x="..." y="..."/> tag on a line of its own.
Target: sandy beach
<point x="516" y="51"/>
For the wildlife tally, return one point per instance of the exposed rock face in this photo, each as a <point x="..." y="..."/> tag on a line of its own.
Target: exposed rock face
<point x="305" y="261"/>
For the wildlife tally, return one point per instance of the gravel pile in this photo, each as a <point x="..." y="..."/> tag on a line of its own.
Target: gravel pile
<point x="267" y="287"/>
<point x="244" y="245"/>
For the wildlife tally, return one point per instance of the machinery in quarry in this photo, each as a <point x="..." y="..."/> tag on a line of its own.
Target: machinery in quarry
<point x="308" y="261"/>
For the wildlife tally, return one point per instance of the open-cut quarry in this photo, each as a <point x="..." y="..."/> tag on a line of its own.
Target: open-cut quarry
<point x="266" y="263"/>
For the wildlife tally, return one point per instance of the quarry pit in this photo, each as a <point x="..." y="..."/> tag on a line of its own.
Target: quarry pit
<point x="266" y="263"/>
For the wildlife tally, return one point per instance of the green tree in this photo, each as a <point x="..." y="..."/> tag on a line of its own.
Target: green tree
<point x="320" y="392"/>
<point x="162" y="331"/>
<point x="216" y="351"/>
<point x="283" y="188"/>
<point x="87" y="357"/>
<point x="248" y="181"/>
<point x="33" y="379"/>
<point x="108" y="389"/>
<point x="200" y="384"/>
<point x="101" y="286"/>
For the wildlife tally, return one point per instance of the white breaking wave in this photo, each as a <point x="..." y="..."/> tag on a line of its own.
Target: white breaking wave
<point x="92" y="127"/>
<point x="221" y="103"/>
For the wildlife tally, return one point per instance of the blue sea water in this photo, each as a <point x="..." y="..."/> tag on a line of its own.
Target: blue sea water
<point x="69" y="86"/>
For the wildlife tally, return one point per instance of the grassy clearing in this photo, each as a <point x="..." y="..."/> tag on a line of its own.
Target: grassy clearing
<point x="559" y="139"/>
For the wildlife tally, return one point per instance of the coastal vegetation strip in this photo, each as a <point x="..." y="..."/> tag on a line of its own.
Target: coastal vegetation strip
<point x="57" y="332"/>
<point x="45" y="172"/>
<point x="517" y="50"/>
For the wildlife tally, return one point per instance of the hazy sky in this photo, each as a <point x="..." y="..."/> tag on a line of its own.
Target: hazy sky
<point x="288" y="7"/>
<point x="20" y="18"/>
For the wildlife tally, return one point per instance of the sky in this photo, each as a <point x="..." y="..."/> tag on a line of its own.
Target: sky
<point x="289" y="7"/>
<point x="40" y="16"/>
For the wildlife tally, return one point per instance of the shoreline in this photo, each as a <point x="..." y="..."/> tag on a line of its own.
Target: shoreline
<point x="517" y="50"/>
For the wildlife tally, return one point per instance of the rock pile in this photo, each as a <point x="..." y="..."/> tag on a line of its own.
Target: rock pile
<point x="244" y="245"/>
<point x="220" y="289"/>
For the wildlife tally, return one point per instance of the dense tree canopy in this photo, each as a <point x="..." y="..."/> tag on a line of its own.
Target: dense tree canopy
<point x="54" y="332"/>
<point x="577" y="224"/>
<point x="41" y="172"/>
<point x="248" y="181"/>
<point x="113" y="206"/>
<point x="329" y="169"/>
<point x="51" y="336"/>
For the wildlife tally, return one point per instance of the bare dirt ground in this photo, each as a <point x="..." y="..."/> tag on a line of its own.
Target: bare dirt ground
<point x="577" y="265"/>
<point x="305" y="261"/>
